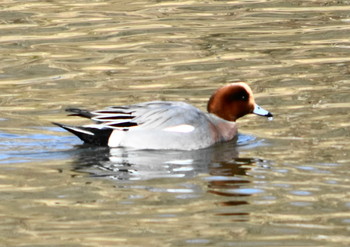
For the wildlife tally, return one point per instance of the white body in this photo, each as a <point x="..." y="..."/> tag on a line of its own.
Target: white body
<point x="169" y="124"/>
<point x="164" y="125"/>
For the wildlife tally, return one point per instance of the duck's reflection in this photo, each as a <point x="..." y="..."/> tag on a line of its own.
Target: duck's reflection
<point x="226" y="180"/>
<point x="219" y="166"/>
<point x="128" y="164"/>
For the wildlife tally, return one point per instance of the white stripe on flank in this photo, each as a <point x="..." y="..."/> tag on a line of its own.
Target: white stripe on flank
<point x="81" y="131"/>
<point x="182" y="128"/>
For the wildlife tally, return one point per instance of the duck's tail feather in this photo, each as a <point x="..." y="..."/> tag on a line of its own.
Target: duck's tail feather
<point x="90" y="135"/>
<point x="79" y="112"/>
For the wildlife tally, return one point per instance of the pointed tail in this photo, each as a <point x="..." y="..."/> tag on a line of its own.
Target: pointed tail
<point x="90" y="135"/>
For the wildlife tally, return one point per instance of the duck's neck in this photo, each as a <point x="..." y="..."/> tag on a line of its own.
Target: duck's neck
<point x="224" y="130"/>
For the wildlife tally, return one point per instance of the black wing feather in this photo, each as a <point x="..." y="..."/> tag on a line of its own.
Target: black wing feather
<point x="79" y="112"/>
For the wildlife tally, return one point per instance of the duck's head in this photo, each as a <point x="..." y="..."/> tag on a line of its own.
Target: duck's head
<point x="233" y="101"/>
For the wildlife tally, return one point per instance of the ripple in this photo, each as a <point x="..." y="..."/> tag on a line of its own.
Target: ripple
<point x="284" y="183"/>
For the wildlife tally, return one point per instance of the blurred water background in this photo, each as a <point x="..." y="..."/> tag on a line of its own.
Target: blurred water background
<point x="281" y="183"/>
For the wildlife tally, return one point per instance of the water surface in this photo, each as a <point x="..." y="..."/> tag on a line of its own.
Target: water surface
<point x="281" y="183"/>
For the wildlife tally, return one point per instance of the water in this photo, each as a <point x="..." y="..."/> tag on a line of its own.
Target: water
<point x="283" y="182"/>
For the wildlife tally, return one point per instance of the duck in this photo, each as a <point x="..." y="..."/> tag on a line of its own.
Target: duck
<point x="168" y="125"/>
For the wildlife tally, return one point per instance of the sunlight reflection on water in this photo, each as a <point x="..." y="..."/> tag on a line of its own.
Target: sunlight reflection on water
<point x="283" y="182"/>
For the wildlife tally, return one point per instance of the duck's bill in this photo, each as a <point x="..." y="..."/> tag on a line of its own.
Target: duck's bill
<point x="258" y="110"/>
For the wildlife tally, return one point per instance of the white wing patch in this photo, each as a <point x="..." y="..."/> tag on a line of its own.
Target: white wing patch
<point x="116" y="138"/>
<point x="182" y="128"/>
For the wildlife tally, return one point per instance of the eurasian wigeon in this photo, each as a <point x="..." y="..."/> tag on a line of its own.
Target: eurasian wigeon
<point x="168" y="124"/>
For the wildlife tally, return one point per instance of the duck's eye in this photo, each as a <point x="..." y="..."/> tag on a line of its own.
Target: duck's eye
<point x="244" y="97"/>
<point x="239" y="96"/>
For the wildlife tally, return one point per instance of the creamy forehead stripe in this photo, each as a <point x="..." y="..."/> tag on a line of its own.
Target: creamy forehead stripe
<point x="182" y="128"/>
